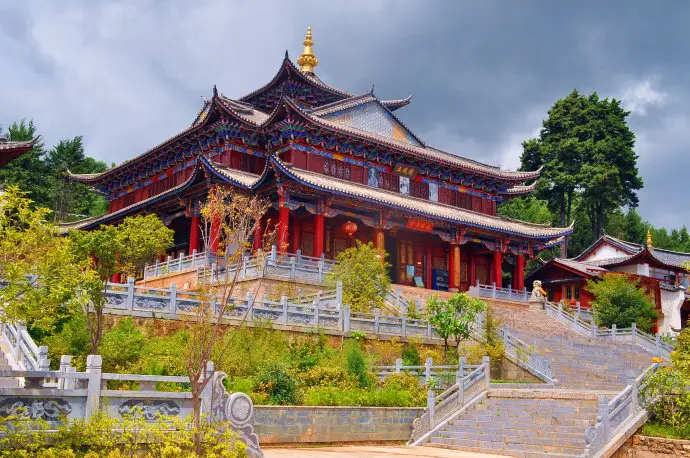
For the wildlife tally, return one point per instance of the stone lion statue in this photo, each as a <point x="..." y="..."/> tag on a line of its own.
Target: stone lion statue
<point x="538" y="293"/>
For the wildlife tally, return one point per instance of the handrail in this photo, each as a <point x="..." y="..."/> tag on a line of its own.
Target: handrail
<point x="494" y="292"/>
<point x="441" y="409"/>
<point x="632" y="334"/>
<point x="617" y="414"/>
<point x="22" y="352"/>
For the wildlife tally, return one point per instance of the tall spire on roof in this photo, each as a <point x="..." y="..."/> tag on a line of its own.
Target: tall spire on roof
<point x="307" y="61"/>
<point x="649" y="239"/>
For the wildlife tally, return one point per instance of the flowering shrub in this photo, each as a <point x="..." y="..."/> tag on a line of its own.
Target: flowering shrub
<point x="107" y="437"/>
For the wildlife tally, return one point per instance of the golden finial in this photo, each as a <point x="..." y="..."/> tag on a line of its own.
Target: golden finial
<point x="649" y="239"/>
<point x="307" y="61"/>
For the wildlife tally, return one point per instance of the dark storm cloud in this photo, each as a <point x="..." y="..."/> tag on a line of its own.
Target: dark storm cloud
<point x="129" y="74"/>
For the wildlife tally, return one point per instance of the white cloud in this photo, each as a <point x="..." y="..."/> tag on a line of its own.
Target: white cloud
<point x="640" y="95"/>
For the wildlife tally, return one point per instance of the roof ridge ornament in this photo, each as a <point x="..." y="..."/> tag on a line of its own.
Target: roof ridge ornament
<point x="307" y="61"/>
<point x="649" y="239"/>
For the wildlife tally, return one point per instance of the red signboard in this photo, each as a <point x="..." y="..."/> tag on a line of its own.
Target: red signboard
<point x="420" y="225"/>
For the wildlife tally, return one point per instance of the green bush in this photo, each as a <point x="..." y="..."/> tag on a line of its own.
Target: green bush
<point x="619" y="300"/>
<point x="121" y="346"/>
<point x="277" y="384"/>
<point x="325" y="376"/>
<point x="73" y="339"/>
<point x="106" y="437"/>
<point x="386" y="397"/>
<point x="405" y="382"/>
<point x="308" y="351"/>
<point x="410" y="356"/>
<point x="357" y="365"/>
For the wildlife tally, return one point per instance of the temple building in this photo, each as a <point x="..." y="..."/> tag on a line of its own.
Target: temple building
<point x="660" y="272"/>
<point x="328" y="158"/>
<point x="9" y="151"/>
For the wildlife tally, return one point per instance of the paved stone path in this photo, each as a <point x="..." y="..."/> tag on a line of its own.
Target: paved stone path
<point x="373" y="452"/>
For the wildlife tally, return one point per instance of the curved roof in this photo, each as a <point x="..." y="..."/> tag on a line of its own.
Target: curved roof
<point x="419" y="206"/>
<point x="11" y="150"/>
<point x="431" y="153"/>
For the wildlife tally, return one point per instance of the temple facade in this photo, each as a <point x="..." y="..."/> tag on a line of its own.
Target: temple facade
<point x="327" y="158"/>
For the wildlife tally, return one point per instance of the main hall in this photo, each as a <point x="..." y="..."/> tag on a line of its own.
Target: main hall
<point x="337" y="167"/>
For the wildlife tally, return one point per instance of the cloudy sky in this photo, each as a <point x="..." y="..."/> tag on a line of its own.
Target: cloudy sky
<point x="129" y="74"/>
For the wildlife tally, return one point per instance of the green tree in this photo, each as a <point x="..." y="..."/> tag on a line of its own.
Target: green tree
<point x="40" y="273"/>
<point x="72" y="200"/>
<point x="528" y="209"/>
<point x="586" y="148"/>
<point x="454" y="318"/>
<point x="112" y="249"/>
<point x="364" y="276"/>
<point x="619" y="300"/>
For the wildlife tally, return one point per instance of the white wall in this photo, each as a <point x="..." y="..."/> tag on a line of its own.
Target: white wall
<point x="605" y="252"/>
<point x="671" y="302"/>
<point x="639" y="269"/>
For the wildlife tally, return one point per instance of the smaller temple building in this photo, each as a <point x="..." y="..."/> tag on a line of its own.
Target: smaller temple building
<point x="659" y="271"/>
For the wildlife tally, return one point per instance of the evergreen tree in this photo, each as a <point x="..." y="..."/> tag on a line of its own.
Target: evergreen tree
<point x="586" y="148"/>
<point x="72" y="200"/>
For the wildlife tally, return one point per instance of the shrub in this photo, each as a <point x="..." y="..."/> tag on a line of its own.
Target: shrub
<point x="619" y="300"/>
<point x="405" y="382"/>
<point x="385" y="351"/>
<point x="121" y="346"/>
<point x="357" y="365"/>
<point x="105" y="437"/>
<point x="277" y="384"/>
<point x="72" y="339"/>
<point x="326" y="376"/>
<point x="308" y="351"/>
<point x="386" y="397"/>
<point x="410" y="356"/>
<point x="669" y="390"/>
<point x="364" y="277"/>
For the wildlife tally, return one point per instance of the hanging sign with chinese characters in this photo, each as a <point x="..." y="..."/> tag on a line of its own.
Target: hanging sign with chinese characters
<point x="405" y="170"/>
<point x="419" y="225"/>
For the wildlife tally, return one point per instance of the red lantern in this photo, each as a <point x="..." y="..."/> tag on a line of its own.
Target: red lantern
<point x="349" y="228"/>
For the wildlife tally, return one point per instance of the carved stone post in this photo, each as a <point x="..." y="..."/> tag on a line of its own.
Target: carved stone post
<point x="93" y="392"/>
<point x="431" y="408"/>
<point x="604" y="414"/>
<point x="346" y="318"/>
<point x="633" y="333"/>
<point x="404" y="324"/>
<point x="377" y="318"/>
<point x="284" y="304"/>
<point x="427" y="370"/>
<point x="460" y="374"/>
<point x="173" y="298"/>
<point x="339" y="294"/>
<point x="65" y="363"/>
<point x="487" y="371"/>
<point x="398" y="365"/>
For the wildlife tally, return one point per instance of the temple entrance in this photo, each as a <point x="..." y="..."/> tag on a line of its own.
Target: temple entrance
<point x="421" y="260"/>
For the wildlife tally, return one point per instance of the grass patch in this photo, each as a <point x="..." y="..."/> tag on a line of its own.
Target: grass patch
<point x="656" y="429"/>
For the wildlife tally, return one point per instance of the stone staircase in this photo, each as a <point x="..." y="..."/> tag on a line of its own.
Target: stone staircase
<point x="577" y="362"/>
<point x="6" y="382"/>
<point x="523" y="423"/>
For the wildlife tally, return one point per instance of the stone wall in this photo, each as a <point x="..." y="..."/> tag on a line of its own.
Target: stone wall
<point x="291" y="425"/>
<point x="652" y="447"/>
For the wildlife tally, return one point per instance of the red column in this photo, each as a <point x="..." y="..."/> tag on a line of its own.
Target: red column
<point x="258" y="237"/>
<point x="429" y="275"/>
<point x="472" y="261"/>
<point x="498" y="269"/>
<point x="283" y="222"/>
<point x="318" y="234"/>
<point x="451" y="270"/>
<point x="296" y="241"/>
<point x="520" y="272"/>
<point x="215" y="235"/>
<point x="194" y="234"/>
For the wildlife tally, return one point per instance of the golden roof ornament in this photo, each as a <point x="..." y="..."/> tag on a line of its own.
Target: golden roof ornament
<point x="307" y="61"/>
<point x="649" y="239"/>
